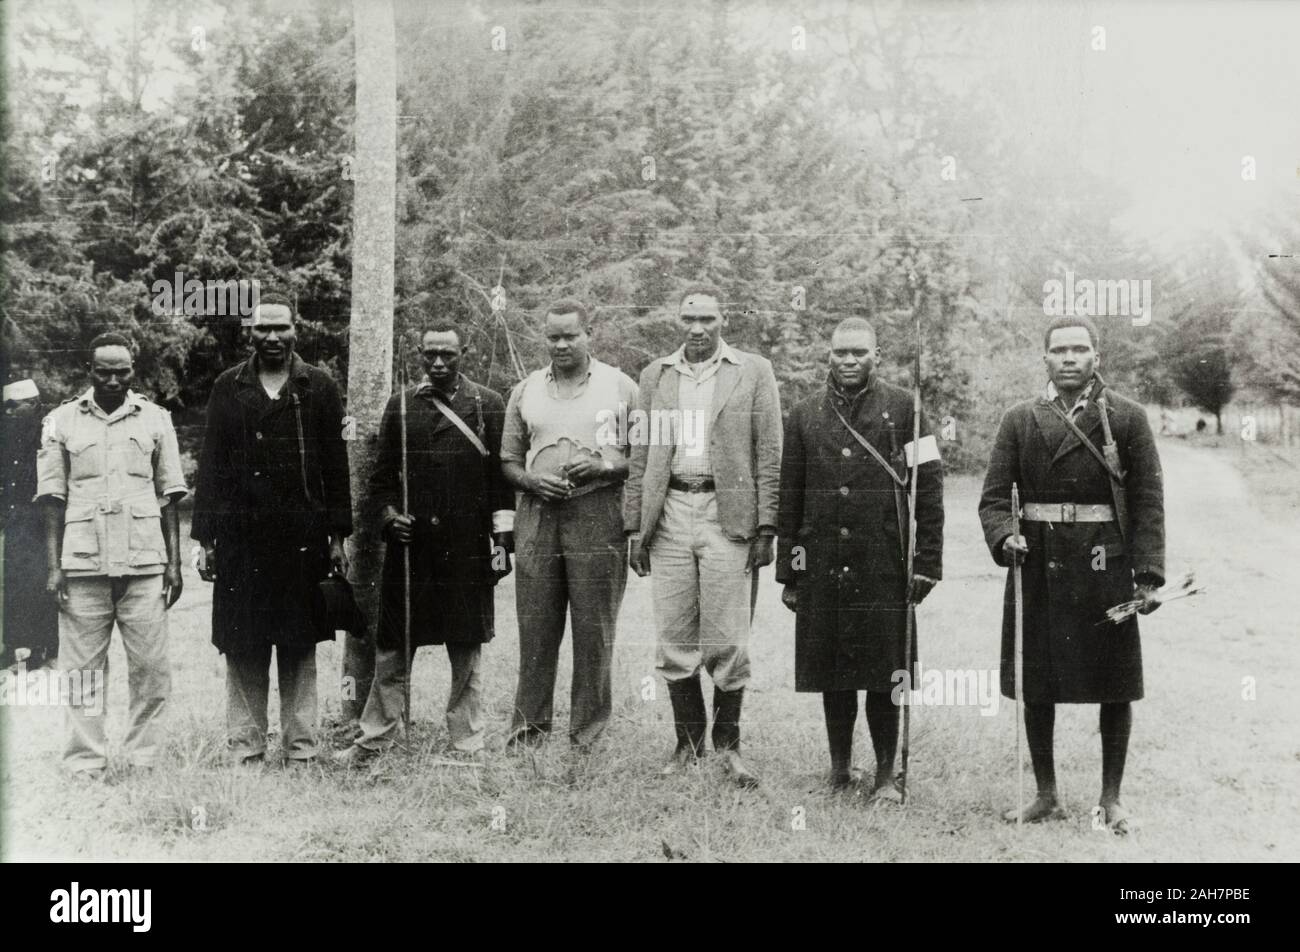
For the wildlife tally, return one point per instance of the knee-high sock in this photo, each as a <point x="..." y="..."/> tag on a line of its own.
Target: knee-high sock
<point x="1116" y="725"/>
<point x="841" y="709"/>
<point x="882" y="720"/>
<point x="1040" y="724"/>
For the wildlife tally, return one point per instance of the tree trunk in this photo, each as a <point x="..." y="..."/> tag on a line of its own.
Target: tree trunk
<point x="1218" y="420"/>
<point x="370" y="332"/>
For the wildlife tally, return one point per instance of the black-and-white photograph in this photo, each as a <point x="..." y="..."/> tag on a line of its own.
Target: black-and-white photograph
<point x="639" y="432"/>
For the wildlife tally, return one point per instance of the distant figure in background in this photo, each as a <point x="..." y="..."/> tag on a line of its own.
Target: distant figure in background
<point x="109" y="477"/>
<point x="31" y="620"/>
<point x="271" y="510"/>
<point x="458" y="532"/>
<point x="1087" y="545"/>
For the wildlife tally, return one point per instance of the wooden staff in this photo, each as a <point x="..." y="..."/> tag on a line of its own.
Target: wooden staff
<point x="406" y="560"/>
<point x="910" y="627"/>
<point x="1019" y="652"/>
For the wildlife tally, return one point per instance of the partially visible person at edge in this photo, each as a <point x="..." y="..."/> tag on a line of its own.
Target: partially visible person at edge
<point x="31" y="621"/>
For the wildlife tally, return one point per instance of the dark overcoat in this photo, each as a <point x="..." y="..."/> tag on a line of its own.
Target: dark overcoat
<point x="1074" y="572"/>
<point x="270" y="509"/>
<point x="31" y="617"/>
<point x="841" y="531"/>
<point x="453" y="492"/>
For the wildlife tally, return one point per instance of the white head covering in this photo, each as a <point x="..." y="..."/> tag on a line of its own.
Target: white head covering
<point x="21" y="390"/>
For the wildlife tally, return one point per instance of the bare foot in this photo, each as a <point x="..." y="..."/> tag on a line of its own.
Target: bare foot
<point x="885" y="788"/>
<point x="1043" y="808"/>
<point x="1114" y="817"/>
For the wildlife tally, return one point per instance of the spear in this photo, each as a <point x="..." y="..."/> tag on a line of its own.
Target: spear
<point x="1019" y="652"/>
<point x="910" y="631"/>
<point x="406" y="559"/>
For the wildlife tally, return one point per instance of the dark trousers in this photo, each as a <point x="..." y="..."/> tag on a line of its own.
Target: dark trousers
<point x="570" y="558"/>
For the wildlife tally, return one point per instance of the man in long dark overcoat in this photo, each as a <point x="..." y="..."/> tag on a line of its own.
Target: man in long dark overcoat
<point x="458" y="530"/>
<point x="31" y="619"/>
<point x="272" y="508"/>
<point x="1081" y="555"/>
<point x="843" y="531"/>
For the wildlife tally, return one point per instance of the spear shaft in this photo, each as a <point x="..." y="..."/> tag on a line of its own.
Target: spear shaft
<point x="406" y="560"/>
<point x="910" y="626"/>
<point x="1019" y="649"/>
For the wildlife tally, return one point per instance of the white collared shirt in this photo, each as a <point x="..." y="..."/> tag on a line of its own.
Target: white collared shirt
<point x="695" y="387"/>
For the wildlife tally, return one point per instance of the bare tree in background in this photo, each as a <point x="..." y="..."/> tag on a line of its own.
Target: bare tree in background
<point x="370" y="333"/>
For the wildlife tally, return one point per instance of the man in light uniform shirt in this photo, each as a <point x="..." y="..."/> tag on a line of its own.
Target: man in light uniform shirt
<point x="109" y="477"/>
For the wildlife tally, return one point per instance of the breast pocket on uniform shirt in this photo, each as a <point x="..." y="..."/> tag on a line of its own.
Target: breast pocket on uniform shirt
<point x="83" y="459"/>
<point x="139" y="455"/>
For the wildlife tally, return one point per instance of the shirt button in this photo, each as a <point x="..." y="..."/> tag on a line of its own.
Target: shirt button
<point x="433" y="520"/>
<point x="844" y="490"/>
<point x="845" y="569"/>
<point x="259" y="434"/>
<point x="846" y="451"/>
<point x="844" y="532"/>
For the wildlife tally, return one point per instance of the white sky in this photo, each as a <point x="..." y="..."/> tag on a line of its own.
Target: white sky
<point x="1182" y="91"/>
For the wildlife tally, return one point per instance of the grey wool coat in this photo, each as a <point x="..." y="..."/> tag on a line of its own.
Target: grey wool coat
<point x="1075" y="571"/>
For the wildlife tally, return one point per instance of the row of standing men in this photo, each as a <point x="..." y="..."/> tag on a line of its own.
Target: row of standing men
<point x="579" y="490"/>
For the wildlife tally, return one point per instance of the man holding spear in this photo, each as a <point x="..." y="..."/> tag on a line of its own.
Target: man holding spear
<point x="1092" y="536"/>
<point x="448" y="517"/>
<point x="848" y="481"/>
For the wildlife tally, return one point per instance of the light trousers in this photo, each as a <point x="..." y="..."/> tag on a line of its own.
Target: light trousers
<point x="94" y="603"/>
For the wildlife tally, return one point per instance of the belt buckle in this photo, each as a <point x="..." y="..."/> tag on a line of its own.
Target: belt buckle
<point x="1068" y="512"/>
<point x="108" y="508"/>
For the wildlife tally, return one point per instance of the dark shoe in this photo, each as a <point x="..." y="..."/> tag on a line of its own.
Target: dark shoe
<point x="737" y="770"/>
<point x="253" y="761"/>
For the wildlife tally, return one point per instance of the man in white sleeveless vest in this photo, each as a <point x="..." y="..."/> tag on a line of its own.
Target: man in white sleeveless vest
<point x="569" y="546"/>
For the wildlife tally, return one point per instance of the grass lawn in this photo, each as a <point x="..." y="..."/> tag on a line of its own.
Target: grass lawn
<point x="1213" y="768"/>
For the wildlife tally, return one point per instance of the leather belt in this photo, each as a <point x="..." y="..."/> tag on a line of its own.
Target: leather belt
<point x="1068" y="512"/>
<point x="693" y="484"/>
